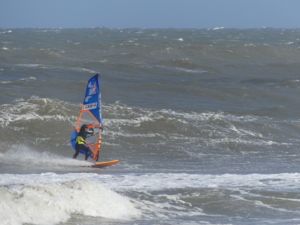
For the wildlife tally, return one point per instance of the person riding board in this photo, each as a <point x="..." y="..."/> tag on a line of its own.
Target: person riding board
<point x="81" y="141"/>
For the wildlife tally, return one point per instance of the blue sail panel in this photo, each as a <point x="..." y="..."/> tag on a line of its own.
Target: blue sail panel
<point x="92" y="99"/>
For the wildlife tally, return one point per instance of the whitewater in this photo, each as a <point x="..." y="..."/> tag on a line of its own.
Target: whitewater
<point x="205" y="124"/>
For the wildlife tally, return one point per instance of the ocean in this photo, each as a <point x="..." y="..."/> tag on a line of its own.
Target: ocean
<point x="205" y="123"/>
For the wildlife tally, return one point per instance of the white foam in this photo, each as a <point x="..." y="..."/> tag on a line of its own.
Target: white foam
<point x="131" y="135"/>
<point x="6" y="82"/>
<point x="6" y="32"/>
<point x="55" y="30"/>
<point x="249" y="45"/>
<point x="31" y="78"/>
<point x="167" y="189"/>
<point x="30" y="65"/>
<point x="81" y="69"/>
<point x="195" y="71"/>
<point x="224" y="128"/>
<point x="103" y="61"/>
<point x="290" y="43"/>
<point x="206" y="116"/>
<point x="164" y="181"/>
<point x="87" y="70"/>
<point x="137" y="115"/>
<point x="218" y="28"/>
<point x="240" y="140"/>
<point x="26" y="110"/>
<point x="28" y="78"/>
<point x="43" y="66"/>
<point x="37" y="198"/>
<point x="47" y="199"/>
<point x="182" y="69"/>
<point x="23" y="155"/>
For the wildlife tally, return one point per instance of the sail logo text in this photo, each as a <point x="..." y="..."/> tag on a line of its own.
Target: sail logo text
<point x="92" y="88"/>
<point x="90" y="106"/>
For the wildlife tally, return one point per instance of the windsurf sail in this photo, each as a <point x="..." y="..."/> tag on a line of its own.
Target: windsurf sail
<point x="90" y="114"/>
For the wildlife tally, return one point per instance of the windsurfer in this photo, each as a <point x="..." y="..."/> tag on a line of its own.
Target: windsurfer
<point x="81" y="141"/>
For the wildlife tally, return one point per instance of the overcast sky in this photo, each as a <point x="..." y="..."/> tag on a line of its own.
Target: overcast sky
<point x="150" y="13"/>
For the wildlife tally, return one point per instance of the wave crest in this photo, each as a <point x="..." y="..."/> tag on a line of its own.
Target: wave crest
<point x="53" y="199"/>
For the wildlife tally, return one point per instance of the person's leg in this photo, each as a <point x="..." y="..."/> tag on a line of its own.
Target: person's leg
<point x="88" y="152"/>
<point x="77" y="147"/>
<point x="76" y="154"/>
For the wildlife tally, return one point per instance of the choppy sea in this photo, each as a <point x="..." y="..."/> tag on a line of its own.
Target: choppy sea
<point x="206" y="124"/>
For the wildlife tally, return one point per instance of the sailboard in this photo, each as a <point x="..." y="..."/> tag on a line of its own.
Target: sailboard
<point x="90" y="115"/>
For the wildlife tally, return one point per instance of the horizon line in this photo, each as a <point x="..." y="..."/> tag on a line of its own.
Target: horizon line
<point x="153" y="28"/>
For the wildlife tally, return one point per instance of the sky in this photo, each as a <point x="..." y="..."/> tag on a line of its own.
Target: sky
<point x="149" y="13"/>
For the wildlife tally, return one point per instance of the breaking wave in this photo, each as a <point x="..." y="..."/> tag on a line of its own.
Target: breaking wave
<point x="51" y="199"/>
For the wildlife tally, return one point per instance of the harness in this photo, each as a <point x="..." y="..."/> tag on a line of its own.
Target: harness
<point x="80" y="140"/>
